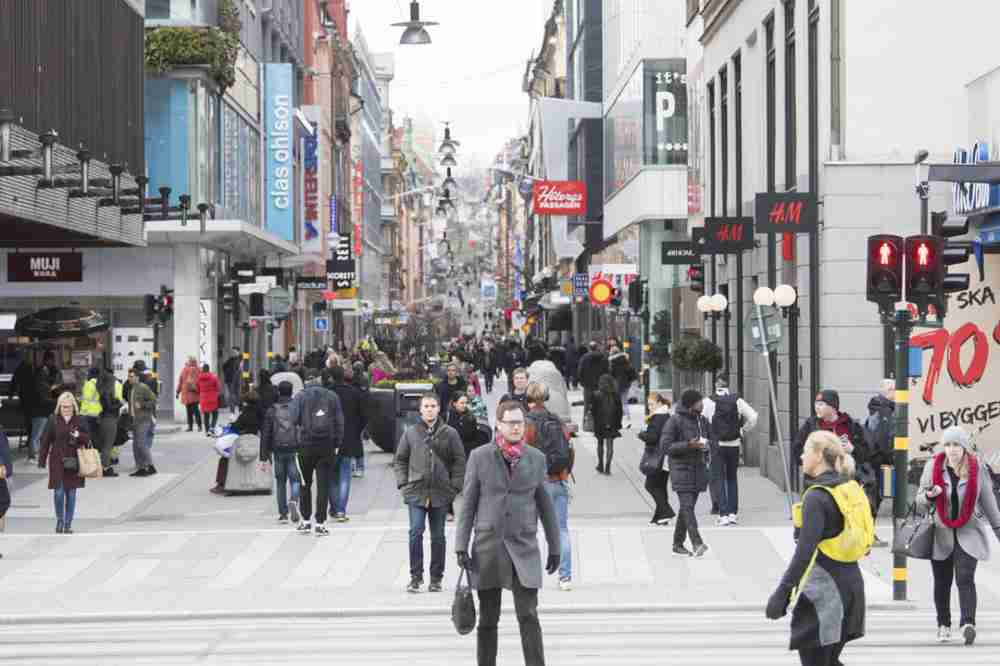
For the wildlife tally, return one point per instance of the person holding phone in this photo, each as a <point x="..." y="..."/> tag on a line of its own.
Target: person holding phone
<point x="685" y="438"/>
<point x="60" y="441"/>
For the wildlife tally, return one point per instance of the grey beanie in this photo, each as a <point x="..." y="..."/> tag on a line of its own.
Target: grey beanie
<point x="957" y="435"/>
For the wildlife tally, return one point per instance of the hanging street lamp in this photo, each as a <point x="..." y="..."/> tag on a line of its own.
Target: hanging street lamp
<point x="415" y="34"/>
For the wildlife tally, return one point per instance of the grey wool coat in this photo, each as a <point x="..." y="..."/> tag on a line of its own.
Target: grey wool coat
<point x="975" y="535"/>
<point x="504" y="509"/>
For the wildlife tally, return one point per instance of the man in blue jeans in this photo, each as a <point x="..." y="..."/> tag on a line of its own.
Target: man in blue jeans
<point x="142" y="406"/>
<point x="351" y="402"/>
<point x="279" y="443"/>
<point x="730" y="417"/>
<point x="430" y="470"/>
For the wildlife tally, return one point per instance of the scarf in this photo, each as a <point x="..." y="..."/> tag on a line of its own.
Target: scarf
<point x="511" y="451"/>
<point x="971" y="492"/>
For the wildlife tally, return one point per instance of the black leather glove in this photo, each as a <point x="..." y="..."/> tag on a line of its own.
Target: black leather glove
<point x="777" y="605"/>
<point x="552" y="564"/>
<point x="463" y="559"/>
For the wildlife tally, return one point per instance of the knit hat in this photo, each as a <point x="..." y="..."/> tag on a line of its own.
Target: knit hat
<point x="957" y="435"/>
<point x="690" y="398"/>
<point x="830" y="397"/>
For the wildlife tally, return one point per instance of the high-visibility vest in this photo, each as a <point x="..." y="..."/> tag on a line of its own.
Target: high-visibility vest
<point x="90" y="402"/>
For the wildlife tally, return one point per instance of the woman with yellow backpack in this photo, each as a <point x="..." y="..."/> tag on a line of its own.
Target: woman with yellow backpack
<point x="823" y="580"/>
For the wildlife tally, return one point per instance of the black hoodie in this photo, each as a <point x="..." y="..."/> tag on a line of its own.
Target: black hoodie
<point x="880" y="429"/>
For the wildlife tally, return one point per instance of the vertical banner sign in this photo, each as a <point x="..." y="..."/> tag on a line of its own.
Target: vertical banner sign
<point x="333" y="216"/>
<point x="341" y="269"/>
<point x="312" y="237"/>
<point x="358" y="210"/>
<point x="206" y="331"/>
<point x="278" y="105"/>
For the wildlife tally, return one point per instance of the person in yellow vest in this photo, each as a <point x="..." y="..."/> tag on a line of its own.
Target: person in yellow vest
<point x="823" y="579"/>
<point x="90" y="404"/>
<point x="111" y="395"/>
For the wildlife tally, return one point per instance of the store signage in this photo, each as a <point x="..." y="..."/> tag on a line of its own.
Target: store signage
<point x="333" y="215"/>
<point x="679" y="253"/>
<point x="581" y="283"/>
<point x="785" y="213"/>
<point x="488" y="289"/>
<point x="278" y="103"/>
<point x="968" y="197"/>
<point x="560" y="197"/>
<point x="727" y="235"/>
<point x="45" y="267"/>
<point x="312" y="237"/>
<point x="358" y="211"/>
<point x="206" y="330"/>
<point x="310" y="284"/>
<point x="243" y="273"/>
<point x="340" y="269"/>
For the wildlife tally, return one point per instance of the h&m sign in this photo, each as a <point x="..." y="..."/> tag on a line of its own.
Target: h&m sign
<point x="45" y="267"/>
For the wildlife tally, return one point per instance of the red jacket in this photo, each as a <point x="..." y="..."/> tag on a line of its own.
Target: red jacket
<point x="208" y="392"/>
<point x="189" y="375"/>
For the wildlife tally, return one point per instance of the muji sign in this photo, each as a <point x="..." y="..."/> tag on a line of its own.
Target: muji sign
<point x="560" y="197"/>
<point x="44" y="267"/>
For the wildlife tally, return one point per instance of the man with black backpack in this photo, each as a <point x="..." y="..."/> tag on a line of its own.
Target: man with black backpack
<point x="279" y="445"/>
<point x="880" y="433"/>
<point x="730" y="416"/>
<point x="317" y="413"/>
<point x="545" y="432"/>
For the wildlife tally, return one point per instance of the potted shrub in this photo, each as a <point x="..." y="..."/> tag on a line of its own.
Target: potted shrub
<point x="694" y="353"/>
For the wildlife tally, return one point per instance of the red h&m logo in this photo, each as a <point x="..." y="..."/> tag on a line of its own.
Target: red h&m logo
<point x="560" y="197"/>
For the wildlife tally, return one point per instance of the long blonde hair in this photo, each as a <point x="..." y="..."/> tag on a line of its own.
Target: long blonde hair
<point x="830" y="448"/>
<point x="66" y="396"/>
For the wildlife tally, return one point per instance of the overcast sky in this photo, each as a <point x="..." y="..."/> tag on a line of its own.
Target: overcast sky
<point x="470" y="75"/>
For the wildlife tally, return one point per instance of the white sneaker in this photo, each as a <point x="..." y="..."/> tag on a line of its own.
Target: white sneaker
<point x="733" y="519"/>
<point x="565" y="584"/>
<point x="722" y="520"/>
<point x="944" y="635"/>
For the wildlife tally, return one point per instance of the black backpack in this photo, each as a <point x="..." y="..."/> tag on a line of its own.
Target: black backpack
<point x="551" y="440"/>
<point x="726" y="420"/>
<point x="317" y="416"/>
<point x="285" y="435"/>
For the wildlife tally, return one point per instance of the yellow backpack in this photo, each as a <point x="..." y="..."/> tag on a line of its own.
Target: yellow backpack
<point x="858" y="535"/>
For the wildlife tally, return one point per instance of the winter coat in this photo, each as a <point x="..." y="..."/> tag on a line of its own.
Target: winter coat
<point x="268" y="428"/>
<point x="880" y="430"/>
<point x="90" y="399"/>
<point x="311" y="395"/>
<point x="208" y="392"/>
<point x="47" y="380"/>
<point x="831" y="606"/>
<point x="504" y="505"/>
<point x="429" y="465"/>
<point x="467" y="427"/>
<point x="448" y="391"/>
<point x="608" y="412"/>
<point x="267" y="395"/>
<point x="142" y="403"/>
<point x="546" y="372"/>
<point x="571" y="362"/>
<point x="248" y="422"/>
<point x="592" y="365"/>
<point x="688" y="466"/>
<point x="622" y="370"/>
<point x="56" y="445"/>
<point x="187" y="384"/>
<point x="843" y="425"/>
<point x="974" y="536"/>
<point x="352" y="403"/>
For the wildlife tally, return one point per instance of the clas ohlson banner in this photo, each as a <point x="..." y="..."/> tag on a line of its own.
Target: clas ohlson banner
<point x="279" y="106"/>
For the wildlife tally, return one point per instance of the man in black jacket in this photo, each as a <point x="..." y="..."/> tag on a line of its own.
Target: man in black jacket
<point x="352" y="404"/>
<point x="685" y="438"/>
<point x="592" y="365"/>
<point x="317" y="413"/>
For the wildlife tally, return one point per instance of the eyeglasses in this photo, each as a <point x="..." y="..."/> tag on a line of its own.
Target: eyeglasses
<point x="513" y="424"/>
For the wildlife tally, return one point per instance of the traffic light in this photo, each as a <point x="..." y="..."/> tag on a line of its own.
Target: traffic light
<point x="953" y="253"/>
<point x="165" y="309"/>
<point x="924" y="271"/>
<point x="696" y="278"/>
<point x="150" y="306"/>
<point x="885" y="270"/>
<point x="257" y="305"/>
<point x="635" y="295"/>
<point x="616" y="297"/>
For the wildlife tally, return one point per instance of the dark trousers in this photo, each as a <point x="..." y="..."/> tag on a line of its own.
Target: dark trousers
<point x="420" y="515"/>
<point x="320" y="462"/>
<point x="609" y="444"/>
<point x="656" y="486"/>
<point x="526" y="609"/>
<point x="193" y="414"/>
<point x="221" y="470"/>
<point x="488" y="377"/>
<point x="211" y="418"/>
<point x="828" y="655"/>
<point x="687" y="524"/>
<point x="715" y="477"/>
<point x="960" y="567"/>
<point x="92" y="425"/>
<point x="729" y="460"/>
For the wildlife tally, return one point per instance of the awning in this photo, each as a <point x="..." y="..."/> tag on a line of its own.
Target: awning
<point x="238" y="238"/>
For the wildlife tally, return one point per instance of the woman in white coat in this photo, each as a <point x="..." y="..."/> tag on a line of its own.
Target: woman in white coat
<point x="958" y="487"/>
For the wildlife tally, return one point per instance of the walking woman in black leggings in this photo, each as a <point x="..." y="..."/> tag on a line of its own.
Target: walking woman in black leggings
<point x="957" y="487"/>
<point x="656" y="483"/>
<point x="608" y="412"/>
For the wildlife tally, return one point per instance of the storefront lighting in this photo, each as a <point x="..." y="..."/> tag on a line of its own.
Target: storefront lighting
<point x="448" y="146"/>
<point x="449" y="161"/>
<point x="47" y="140"/>
<point x="84" y="157"/>
<point x="185" y="206"/>
<point x="415" y="33"/>
<point x="116" y="171"/>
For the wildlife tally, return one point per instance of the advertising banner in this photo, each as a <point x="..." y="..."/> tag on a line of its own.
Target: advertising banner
<point x="560" y="197"/>
<point x="312" y="224"/>
<point x="278" y="109"/>
<point x="44" y="267"/>
<point x="341" y="268"/>
<point x="206" y="331"/>
<point x="679" y="253"/>
<point x="358" y="210"/>
<point x="960" y="364"/>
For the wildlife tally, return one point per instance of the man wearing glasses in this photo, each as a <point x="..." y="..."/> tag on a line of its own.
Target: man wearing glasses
<point x="504" y="497"/>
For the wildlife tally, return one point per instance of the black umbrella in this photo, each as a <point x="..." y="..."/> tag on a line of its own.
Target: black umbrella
<point x="61" y="322"/>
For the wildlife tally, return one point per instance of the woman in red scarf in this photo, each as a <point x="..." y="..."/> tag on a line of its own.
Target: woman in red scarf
<point x="957" y="487"/>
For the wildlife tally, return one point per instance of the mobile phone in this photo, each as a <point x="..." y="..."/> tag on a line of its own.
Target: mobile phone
<point x="702" y="440"/>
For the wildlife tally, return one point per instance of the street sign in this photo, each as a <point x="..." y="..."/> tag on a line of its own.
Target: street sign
<point x="321" y="324"/>
<point x="771" y="328"/>
<point x="280" y="302"/>
<point x="728" y="235"/>
<point x="785" y="213"/>
<point x="680" y="253"/>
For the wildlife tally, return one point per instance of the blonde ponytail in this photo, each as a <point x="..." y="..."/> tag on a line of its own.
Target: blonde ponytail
<point x="830" y="448"/>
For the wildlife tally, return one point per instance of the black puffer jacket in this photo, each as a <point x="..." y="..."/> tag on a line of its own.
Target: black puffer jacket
<point x="880" y="430"/>
<point x="688" y="468"/>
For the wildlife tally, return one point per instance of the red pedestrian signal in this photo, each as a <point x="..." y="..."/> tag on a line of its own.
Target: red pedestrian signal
<point x="924" y="271"/>
<point x="696" y="278"/>
<point x="885" y="270"/>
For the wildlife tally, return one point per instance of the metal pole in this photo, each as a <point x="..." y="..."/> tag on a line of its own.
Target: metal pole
<point x="793" y="378"/>
<point x="774" y="409"/>
<point x="903" y="325"/>
<point x="923" y="191"/>
<point x="739" y="324"/>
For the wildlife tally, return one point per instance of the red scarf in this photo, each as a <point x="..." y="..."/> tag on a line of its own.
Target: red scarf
<point x="511" y="451"/>
<point x="971" y="492"/>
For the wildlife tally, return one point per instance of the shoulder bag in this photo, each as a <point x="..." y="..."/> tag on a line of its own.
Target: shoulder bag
<point x="915" y="536"/>
<point x="89" y="463"/>
<point x="652" y="459"/>
<point x="463" y="608"/>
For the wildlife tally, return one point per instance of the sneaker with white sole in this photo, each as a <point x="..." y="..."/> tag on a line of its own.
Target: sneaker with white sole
<point x="944" y="634"/>
<point x="681" y="551"/>
<point x="734" y="519"/>
<point x="721" y="521"/>
<point x="321" y="530"/>
<point x="341" y="518"/>
<point x="565" y="584"/>
<point x="293" y="509"/>
<point x="305" y="527"/>
<point x="701" y="550"/>
<point x="969" y="633"/>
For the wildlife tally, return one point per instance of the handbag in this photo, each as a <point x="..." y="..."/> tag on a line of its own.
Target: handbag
<point x="652" y="460"/>
<point x="71" y="464"/>
<point x="463" y="608"/>
<point x="89" y="462"/>
<point x="915" y="536"/>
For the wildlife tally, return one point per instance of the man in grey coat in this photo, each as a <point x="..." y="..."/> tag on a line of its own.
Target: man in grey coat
<point x="504" y="497"/>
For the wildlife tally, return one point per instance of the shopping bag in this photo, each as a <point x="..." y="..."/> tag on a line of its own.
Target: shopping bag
<point x="224" y="444"/>
<point x="89" y="463"/>
<point x="463" y="608"/>
<point x="915" y="536"/>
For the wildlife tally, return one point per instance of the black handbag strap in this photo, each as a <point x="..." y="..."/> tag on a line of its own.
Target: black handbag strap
<point x="464" y="571"/>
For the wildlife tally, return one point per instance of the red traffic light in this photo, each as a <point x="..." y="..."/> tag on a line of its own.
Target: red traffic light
<point x="885" y="275"/>
<point x="885" y="253"/>
<point x="922" y="254"/>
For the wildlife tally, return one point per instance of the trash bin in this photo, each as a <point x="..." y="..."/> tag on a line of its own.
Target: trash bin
<point x="408" y="404"/>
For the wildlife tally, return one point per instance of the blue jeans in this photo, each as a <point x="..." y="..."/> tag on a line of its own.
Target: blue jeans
<point x="65" y="501"/>
<point x="559" y="492"/>
<point x="286" y="472"/>
<point x="358" y="464"/>
<point x="418" y="516"/>
<point x="340" y="484"/>
<point x="142" y="443"/>
<point x="38" y="424"/>
<point x="729" y="459"/>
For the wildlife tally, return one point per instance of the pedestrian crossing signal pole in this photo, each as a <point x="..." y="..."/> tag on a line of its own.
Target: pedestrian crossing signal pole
<point x="902" y="323"/>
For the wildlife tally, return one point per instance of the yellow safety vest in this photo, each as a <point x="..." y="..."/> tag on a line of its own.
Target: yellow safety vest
<point x="90" y="403"/>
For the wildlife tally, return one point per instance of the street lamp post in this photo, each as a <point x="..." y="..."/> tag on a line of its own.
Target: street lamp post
<point x="715" y="307"/>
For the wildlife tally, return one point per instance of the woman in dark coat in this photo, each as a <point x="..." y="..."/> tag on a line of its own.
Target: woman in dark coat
<point x="461" y="418"/>
<point x="830" y="608"/>
<point x="656" y="483"/>
<point x="267" y="394"/>
<point x="62" y="437"/>
<point x="685" y="438"/>
<point x="607" y="421"/>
